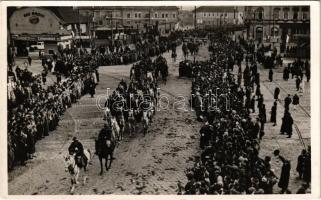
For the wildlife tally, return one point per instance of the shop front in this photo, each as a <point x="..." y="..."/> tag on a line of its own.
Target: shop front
<point x="35" y="29"/>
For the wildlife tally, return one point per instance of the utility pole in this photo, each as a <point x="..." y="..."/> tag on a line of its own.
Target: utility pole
<point x="112" y="27"/>
<point x="195" y="18"/>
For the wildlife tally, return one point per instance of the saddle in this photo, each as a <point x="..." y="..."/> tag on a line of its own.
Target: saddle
<point x="80" y="160"/>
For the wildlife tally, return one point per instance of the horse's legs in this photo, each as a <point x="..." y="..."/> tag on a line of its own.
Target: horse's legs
<point x="76" y="177"/>
<point x="106" y="162"/>
<point x="101" y="165"/>
<point x="111" y="159"/>
<point x="72" y="188"/>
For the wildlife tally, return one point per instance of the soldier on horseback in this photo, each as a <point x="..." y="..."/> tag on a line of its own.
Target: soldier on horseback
<point x="77" y="149"/>
<point x="105" y="146"/>
<point x="104" y="134"/>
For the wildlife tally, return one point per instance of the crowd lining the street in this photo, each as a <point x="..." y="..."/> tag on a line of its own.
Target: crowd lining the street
<point x="231" y="136"/>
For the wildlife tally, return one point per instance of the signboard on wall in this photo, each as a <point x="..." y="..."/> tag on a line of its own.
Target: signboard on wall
<point x="34" y="21"/>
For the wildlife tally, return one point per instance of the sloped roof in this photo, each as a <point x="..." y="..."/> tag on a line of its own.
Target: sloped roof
<point x="124" y="8"/>
<point x="215" y="9"/>
<point x="68" y="15"/>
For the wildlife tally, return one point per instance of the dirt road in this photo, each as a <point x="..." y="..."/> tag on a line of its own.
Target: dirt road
<point x="144" y="165"/>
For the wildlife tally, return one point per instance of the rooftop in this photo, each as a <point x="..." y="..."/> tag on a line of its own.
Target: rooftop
<point x="215" y="9"/>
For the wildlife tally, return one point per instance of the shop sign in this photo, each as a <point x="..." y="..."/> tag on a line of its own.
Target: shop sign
<point x="33" y="17"/>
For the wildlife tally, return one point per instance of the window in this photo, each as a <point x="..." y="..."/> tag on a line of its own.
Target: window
<point x="139" y="15"/>
<point x="166" y="15"/>
<point x="204" y="14"/>
<point x="295" y="15"/>
<point x="274" y="31"/>
<point x="305" y="13"/>
<point x="305" y="16"/>
<point x="212" y="14"/>
<point x="174" y="15"/>
<point x="128" y="15"/>
<point x="260" y="13"/>
<point x="276" y="13"/>
<point x="100" y="22"/>
<point x="156" y="16"/>
<point x="128" y="22"/>
<point x="163" y="15"/>
<point x="286" y="14"/>
<point x="135" y="15"/>
<point x="295" y="12"/>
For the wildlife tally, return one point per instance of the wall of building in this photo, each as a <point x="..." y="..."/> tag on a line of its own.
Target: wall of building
<point x="34" y="21"/>
<point x="218" y="18"/>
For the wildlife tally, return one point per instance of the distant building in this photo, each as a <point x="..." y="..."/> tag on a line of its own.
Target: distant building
<point x="48" y="25"/>
<point x="134" y="19"/>
<point x="212" y="16"/>
<point x="281" y="26"/>
<point x="186" y="19"/>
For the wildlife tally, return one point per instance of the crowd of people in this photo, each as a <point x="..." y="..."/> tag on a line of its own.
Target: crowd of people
<point x="230" y="138"/>
<point x="34" y="109"/>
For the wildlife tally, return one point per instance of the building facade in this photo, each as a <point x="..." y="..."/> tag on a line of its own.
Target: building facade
<point x="212" y="16"/>
<point x="107" y="21"/>
<point x="281" y="26"/>
<point x="51" y="26"/>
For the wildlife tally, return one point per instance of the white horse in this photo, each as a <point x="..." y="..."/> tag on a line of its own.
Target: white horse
<point x="145" y="121"/>
<point x="131" y="121"/>
<point x="107" y="115"/>
<point x="73" y="168"/>
<point x="115" y="127"/>
<point x="150" y="77"/>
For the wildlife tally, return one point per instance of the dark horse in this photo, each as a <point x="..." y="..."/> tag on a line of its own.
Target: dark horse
<point x="105" y="149"/>
<point x="162" y="67"/>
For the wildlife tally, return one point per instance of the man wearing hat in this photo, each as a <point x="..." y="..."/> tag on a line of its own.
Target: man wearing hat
<point x="76" y="148"/>
<point x="104" y="135"/>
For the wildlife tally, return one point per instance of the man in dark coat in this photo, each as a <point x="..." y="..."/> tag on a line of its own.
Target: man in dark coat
<point x="286" y="74"/>
<point x="297" y="83"/>
<point x="287" y="102"/>
<point x="104" y="134"/>
<point x="301" y="163"/>
<point x="276" y="93"/>
<point x="273" y="113"/>
<point x="205" y="133"/>
<point x="287" y="122"/>
<point x="285" y="173"/>
<point x="92" y="88"/>
<point x="296" y="101"/>
<point x="77" y="148"/>
<point x="307" y="171"/>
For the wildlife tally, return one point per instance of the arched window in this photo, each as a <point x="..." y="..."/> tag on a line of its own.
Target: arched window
<point x="286" y="13"/>
<point x="260" y="13"/>
<point x="295" y="13"/>
<point x="276" y="13"/>
<point x="305" y="13"/>
<point x="274" y="31"/>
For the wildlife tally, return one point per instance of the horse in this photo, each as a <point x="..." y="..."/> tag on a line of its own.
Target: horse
<point x="121" y="122"/>
<point x="131" y="121"/>
<point x="106" y="151"/>
<point x="150" y="77"/>
<point x="115" y="128"/>
<point x="107" y="115"/>
<point x="145" y="121"/>
<point x="73" y="165"/>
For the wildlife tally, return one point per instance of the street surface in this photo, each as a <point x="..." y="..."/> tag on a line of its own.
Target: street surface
<point x="155" y="163"/>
